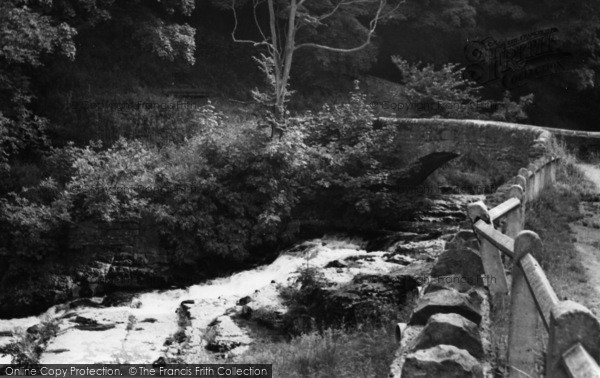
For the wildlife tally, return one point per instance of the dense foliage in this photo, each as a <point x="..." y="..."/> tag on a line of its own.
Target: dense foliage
<point x="221" y="192"/>
<point x="89" y="131"/>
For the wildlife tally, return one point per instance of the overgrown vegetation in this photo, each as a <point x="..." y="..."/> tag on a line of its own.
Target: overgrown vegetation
<point x="446" y="92"/>
<point x="362" y="352"/>
<point x="221" y="193"/>
<point x="550" y="216"/>
<point x="29" y="344"/>
<point x="325" y="345"/>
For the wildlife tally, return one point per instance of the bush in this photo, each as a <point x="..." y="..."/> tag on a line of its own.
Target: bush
<point x="429" y="92"/>
<point x="222" y="193"/>
<point x="30" y="344"/>
<point x="300" y="295"/>
<point x="357" y="167"/>
<point x="31" y="230"/>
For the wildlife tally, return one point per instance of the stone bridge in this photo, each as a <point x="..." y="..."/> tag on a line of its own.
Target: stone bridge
<point x="583" y="143"/>
<point x="427" y="144"/>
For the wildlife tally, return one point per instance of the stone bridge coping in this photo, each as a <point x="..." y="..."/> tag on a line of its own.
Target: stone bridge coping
<point x="504" y="125"/>
<point x="579" y="133"/>
<point x="543" y="132"/>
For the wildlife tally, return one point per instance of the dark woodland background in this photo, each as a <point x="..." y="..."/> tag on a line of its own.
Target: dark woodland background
<point x="63" y="155"/>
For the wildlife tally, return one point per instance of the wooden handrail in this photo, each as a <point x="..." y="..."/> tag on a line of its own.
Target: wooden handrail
<point x="504" y="243"/>
<point x="579" y="363"/>
<point x="540" y="287"/>
<point x="504" y="208"/>
<point x="573" y="330"/>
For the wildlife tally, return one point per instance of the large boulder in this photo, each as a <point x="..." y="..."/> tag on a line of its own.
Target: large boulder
<point x="364" y="297"/>
<point x="450" y="329"/>
<point x="224" y="335"/>
<point x="441" y="361"/>
<point x="463" y="261"/>
<point x="445" y="302"/>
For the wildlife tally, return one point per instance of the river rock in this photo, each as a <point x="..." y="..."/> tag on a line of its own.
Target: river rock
<point x="421" y="249"/>
<point x="119" y="298"/>
<point x="441" y="361"/>
<point x="391" y="241"/>
<point x="450" y="329"/>
<point x="447" y="301"/>
<point x="362" y="298"/>
<point x="399" y="259"/>
<point x="223" y="335"/>
<point x="87" y="324"/>
<point x="463" y="261"/>
<point x="337" y="264"/>
<point x="463" y="238"/>
<point x="244" y="301"/>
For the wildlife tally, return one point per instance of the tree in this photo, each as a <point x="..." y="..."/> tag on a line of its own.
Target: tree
<point x="286" y="18"/>
<point x="33" y="33"/>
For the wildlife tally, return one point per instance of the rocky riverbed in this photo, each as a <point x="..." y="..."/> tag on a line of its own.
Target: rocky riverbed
<point x="221" y="315"/>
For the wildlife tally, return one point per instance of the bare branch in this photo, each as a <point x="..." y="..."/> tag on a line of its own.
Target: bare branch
<point x="340" y="4"/>
<point x="393" y="10"/>
<point x="372" y="26"/>
<point x="254" y="43"/>
<point x="255" y="4"/>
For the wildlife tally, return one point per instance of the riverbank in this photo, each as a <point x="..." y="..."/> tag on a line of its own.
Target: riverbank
<point x="245" y="313"/>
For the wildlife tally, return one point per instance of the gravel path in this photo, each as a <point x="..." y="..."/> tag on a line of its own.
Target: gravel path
<point x="588" y="238"/>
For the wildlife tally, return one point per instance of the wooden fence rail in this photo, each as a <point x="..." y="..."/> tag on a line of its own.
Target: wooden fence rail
<point x="573" y="346"/>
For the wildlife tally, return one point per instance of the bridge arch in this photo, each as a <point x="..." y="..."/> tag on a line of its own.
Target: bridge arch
<point x="427" y="144"/>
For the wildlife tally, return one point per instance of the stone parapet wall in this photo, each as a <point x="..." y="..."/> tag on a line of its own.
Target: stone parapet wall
<point x="510" y="146"/>
<point x="583" y="143"/>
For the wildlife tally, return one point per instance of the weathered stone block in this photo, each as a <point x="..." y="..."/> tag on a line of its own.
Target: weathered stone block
<point x="463" y="261"/>
<point x="441" y="361"/>
<point x="455" y="281"/>
<point x="445" y="302"/>
<point x="450" y="329"/>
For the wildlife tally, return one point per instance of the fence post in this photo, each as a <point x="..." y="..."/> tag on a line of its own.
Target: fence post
<point x="516" y="218"/>
<point x="522" y="182"/>
<point x="490" y="256"/>
<point x="570" y="323"/>
<point x="529" y="183"/>
<point x="523" y="311"/>
<point x="553" y="169"/>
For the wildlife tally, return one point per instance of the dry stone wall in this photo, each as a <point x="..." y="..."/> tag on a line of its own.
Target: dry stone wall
<point x="446" y="332"/>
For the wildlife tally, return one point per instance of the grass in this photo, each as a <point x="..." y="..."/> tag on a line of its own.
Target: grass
<point x="549" y="217"/>
<point x="361" y="352"/>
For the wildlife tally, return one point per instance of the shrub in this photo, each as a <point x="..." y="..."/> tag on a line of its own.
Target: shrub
<point x="357" y="167"/>
<point x="30" y="344"/>
<point x="446" y="93"/>
<point x="30" y="229"/>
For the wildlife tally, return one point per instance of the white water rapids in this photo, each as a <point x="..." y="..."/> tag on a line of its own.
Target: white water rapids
<point x="135" y="341"/>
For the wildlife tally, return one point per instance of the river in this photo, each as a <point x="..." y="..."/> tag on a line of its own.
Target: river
<point x="136" y="331"/>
